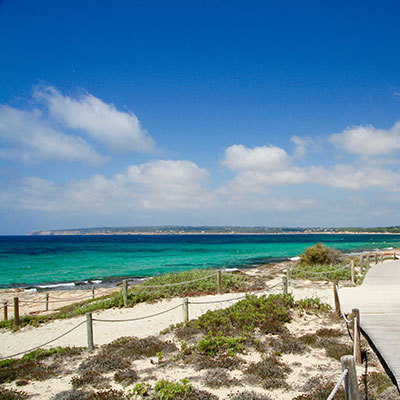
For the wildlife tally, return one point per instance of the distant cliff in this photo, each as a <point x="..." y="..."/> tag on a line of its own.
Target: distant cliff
<point x="182" y="230"/>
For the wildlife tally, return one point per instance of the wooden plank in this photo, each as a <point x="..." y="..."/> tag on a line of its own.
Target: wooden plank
<point x="378" y="300"/>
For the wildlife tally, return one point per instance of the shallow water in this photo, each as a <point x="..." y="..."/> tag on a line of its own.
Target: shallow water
<point x="32" y="260"/>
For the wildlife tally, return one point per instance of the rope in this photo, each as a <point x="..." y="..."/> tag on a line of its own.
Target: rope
<point x="44" y="344"/>
<point x="217" y="301"/>
<point x="347" y="321"/>
<point x="137" y="319"/>
<point x="233" y="299"/>
<point x="336" y="388"/>
<point x="44" y="302"/>
<point x="71" y="298"/>
<point x="175" y="284"/>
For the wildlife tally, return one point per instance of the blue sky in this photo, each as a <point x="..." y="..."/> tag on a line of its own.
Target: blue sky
<point x="198" y="113"/>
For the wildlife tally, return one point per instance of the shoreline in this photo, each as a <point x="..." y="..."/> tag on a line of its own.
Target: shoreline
<point x="115" y="280"/>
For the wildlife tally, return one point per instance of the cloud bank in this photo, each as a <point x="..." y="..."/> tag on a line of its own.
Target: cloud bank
<point x="121" y="131"/>
<point x="69" y="130"/>
<point x="257" y="183"/>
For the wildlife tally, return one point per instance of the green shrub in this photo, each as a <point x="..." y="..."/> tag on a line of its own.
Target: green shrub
<point x="313" y="305"/>
<point x="211" y="345"/>
<point x="265" y="313"/>
<point x="320" y="254"/>
<point x="169" y="390"/>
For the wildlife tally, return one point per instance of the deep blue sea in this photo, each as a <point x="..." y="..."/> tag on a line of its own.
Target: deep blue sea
<point x="33" y="260"/>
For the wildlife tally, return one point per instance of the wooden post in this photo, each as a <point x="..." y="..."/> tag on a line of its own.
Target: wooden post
<point x="350" y="382"/>
<point x="376" y="257"/>
<point x="219" y="285"/>
<point x="368" y="263"/>
<point x="185" y="307"/>
<point x="394" y="255"/>
<point x="285" y="284"/>
<point x="47" y="302"/>
<point x="336" y="297"/>
<point x="89" y="326"/>
<point x="381" y="257"/>
<point x="16" y="311"/>
<point x="125" y="292"/>
<point x="288" y="277"/>
<point x="353" y="279"/>
<point x="92" y="291"/>
<point x="5" y="311"/>
<point x="356" y="335"/>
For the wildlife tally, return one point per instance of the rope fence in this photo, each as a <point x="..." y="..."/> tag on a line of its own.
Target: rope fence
<point x="44" y="344"/>
<point x="89" y="320"/>
<point x="337" y="386"/>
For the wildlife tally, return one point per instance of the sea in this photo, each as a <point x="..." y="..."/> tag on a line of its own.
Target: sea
<point x="61" y="262"/>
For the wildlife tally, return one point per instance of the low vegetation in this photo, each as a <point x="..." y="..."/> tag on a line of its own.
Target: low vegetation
<point x="230" y="282"/>
<point x="38" y="365"/>
<point x="216" y="344"/>
<point x="320" y="262"/>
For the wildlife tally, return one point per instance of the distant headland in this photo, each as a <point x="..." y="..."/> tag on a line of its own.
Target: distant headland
<point x="213" y="230"/>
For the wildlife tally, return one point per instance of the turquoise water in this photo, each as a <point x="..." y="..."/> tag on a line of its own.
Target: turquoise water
<point x="31" y="260"/>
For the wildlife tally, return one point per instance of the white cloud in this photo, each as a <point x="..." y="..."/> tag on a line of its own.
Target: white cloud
<point x="163" y="185"/>
<point x="26" y="135"/>
<point x="266" y="158"/>
<point x="119" y="130"/>
<point x="368" y="141"/>
<point x="302" y="145"/>
<point x="261" y="167"/>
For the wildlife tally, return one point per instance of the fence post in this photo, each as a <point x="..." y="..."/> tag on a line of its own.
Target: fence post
<point x="336" y="297"/>
<point x="376" y="257"/>
<point x="16" y="311"/>
<point x="92" y="291"/>
<point x="356" y="335"/>
<point x="185" y="307"/>
<point x="47" y="302"/>
<point x="285" y="284"/>
<point x="368" y="263"/>
<point x="362" y="263"/>
<point x="381" y="257"/>
<point x="394" y="256"/>
<point x="288" y="277"/>
<point x="5" y="311"/>
<point x="352" y="272"/>
<point x="89" y="326"/>
<point x="219" y="286"/>
<point x="125" y="292"/>
<point x="350" y="381"/>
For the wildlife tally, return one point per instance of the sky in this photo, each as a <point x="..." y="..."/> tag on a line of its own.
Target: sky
<point x="252" y="113"/>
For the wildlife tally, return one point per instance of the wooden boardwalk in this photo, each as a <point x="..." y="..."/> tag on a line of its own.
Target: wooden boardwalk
<point x="378" y="299"/>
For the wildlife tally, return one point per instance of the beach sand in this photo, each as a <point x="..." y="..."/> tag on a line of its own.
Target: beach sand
<point x="313" y="364"/>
